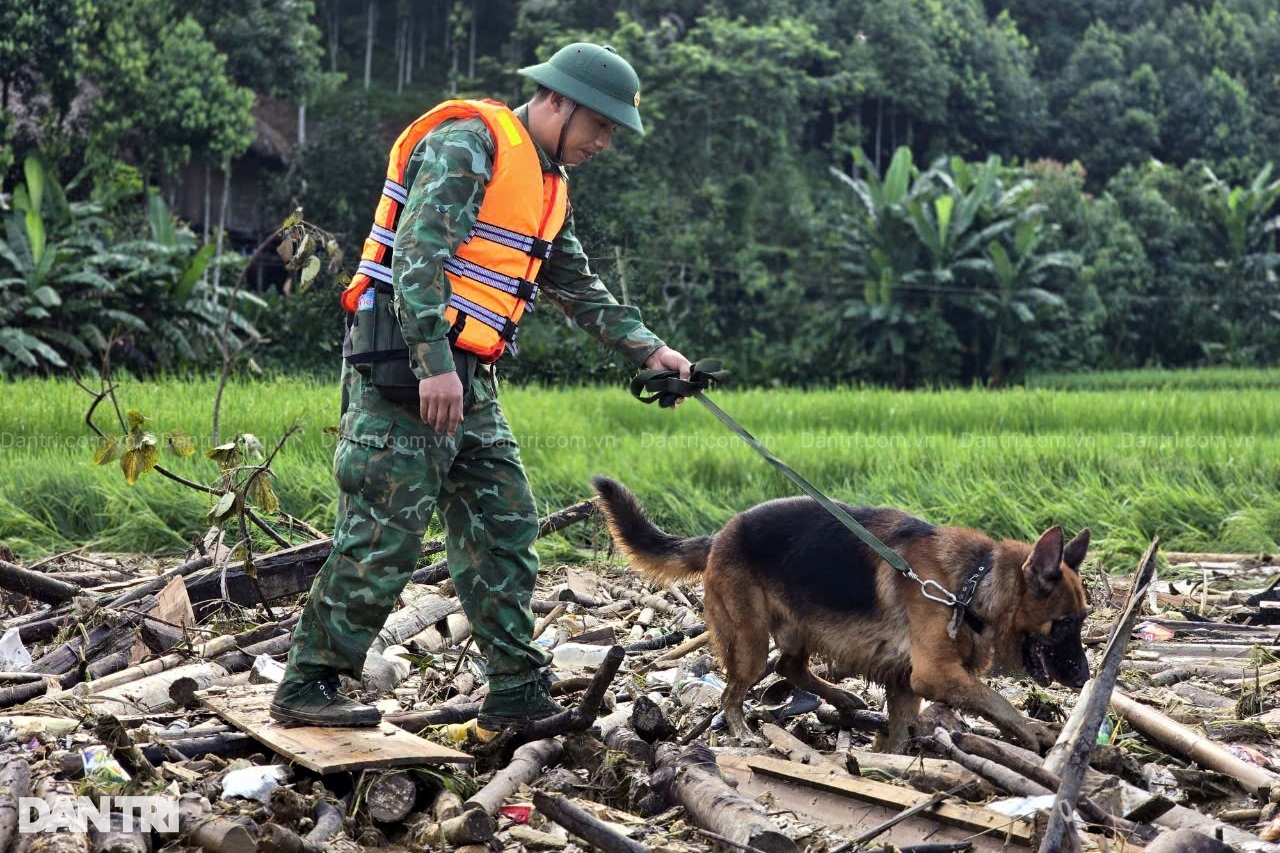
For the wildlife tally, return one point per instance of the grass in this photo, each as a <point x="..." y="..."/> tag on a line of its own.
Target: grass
<point x="1203" y="379"/>
<point x="1196" y="465"/>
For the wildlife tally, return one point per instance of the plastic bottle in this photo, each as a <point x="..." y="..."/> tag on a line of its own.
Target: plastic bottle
<point x="578" y="655"/>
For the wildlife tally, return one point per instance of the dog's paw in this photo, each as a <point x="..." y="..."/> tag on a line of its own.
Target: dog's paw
<point x="1039" y="737"/>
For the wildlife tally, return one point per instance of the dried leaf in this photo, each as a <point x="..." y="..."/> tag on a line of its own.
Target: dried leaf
<point x="285" y="249"/>
<point x="109" y="450"/>
<point x="226" y="455"/>
<point x="180" y="444"/>
<point x="139" y="461"/>
<point x="309" y="272"/>
<point x="259" y="491"/>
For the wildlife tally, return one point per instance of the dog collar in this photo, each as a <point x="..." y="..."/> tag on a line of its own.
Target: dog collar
<point x="968" y="588"/>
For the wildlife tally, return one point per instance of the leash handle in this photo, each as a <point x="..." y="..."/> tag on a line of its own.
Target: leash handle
<point x="666" y="387"/>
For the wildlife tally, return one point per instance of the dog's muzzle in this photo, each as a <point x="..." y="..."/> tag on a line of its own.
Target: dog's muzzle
<point x="1059" y="656"/>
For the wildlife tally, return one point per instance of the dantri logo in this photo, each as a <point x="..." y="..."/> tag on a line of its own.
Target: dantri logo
<point x="140" y="814"/>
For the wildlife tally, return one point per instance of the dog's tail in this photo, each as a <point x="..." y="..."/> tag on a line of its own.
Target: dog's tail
<point x="655" y="553"/>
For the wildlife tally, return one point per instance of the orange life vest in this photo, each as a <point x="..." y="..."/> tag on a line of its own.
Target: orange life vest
<point x="492" y="272"/>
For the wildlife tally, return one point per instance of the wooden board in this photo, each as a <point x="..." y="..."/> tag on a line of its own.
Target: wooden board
<point x="326" y="750"/>
<point x="844" y="816"/>
<point x="1018" y="831"/>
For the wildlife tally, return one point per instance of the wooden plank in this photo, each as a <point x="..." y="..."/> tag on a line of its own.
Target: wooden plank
<point x="845" y="817"/>
<point x="326" y="750"/>
<point x="1019" y="831"/>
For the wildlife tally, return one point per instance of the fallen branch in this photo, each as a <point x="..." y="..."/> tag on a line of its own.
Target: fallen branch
<point x="1173" y="735"/>
<point x="328" y="822"/>
<point x="994" y="750"/>
<point x="526" y="765"/>
<point x="797" y="750"/>
<point x="713" y="805"/>
<point x="416" y="721"/>
<point x="15" y="783"/>
<point x="391" y="796"/>
<point x="36" y="585"/>
<point x="1080" y="735"/>
<point x="586" y="826"/>
<point x="60" y="794"/>
<point x="581" y="716"/>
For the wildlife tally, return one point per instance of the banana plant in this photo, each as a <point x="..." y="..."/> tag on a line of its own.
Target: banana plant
<point x="1019" y="275"/>
<point x="37" y="269"/>
<point x="882" y="251"/>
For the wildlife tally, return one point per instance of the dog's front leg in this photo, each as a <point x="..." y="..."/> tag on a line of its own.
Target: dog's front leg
<point x="954" y="685"/>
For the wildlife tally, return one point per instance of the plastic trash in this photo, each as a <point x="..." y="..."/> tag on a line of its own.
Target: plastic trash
<point x="1153" y="633"/>
<point x="517" y="813"/>
<point x="692" y="692"/>
<point x="1247" y="753"/>
<point x="13" y="655"/>
<point x="578" y="655"/>
<point x="254" y="783"/>
<point x="1023" y="806"/>
<point x="101" y="766"/>
<point x="1106" y="730"/>
<point x="465" y="733"/>
<point x="266" y="671"/>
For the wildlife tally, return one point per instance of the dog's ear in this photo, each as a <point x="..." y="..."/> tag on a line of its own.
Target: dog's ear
<point x="1043" y="568"/>
<point x="1073" y="553"/>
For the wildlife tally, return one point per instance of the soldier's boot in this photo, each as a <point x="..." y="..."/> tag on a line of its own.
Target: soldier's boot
<point x="518" y="706"/>
<point x="317" y="702"/>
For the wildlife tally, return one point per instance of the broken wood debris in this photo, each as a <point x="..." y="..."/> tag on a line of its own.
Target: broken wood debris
<point x="140" y="672"/>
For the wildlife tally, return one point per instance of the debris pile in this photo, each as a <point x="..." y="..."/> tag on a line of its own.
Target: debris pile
<point x="119" y="677"/>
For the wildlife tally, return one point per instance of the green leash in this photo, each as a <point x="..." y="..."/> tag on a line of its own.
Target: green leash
<point x="666" y="387"/>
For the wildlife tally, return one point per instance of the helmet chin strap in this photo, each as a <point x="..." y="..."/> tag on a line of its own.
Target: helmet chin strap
<point x="564" y="132"/>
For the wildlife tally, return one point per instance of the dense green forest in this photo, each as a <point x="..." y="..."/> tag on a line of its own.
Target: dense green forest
<point x="900" y="191"/>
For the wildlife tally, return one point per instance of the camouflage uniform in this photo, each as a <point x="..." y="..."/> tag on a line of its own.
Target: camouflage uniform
<point x="393" y="470"/>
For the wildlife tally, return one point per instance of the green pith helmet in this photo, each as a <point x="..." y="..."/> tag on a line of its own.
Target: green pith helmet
<point x="595" y="77"/>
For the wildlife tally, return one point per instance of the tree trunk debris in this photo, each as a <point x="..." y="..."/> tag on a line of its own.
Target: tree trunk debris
<point x="640" y="759"/>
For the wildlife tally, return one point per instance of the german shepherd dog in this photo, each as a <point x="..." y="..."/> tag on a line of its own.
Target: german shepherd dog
<point x="788" y="569"/>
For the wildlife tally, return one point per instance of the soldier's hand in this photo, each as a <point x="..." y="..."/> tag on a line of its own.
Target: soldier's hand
<point x="665" y="358"/>
<point x="440" y="402"/>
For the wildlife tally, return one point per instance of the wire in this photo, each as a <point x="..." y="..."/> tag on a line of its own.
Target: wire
<point x="1254" y="299"/>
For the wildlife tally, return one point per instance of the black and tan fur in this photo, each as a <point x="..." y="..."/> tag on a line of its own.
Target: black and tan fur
<point x="788" y="569"/>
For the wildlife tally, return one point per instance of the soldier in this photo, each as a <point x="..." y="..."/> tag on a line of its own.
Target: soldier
<point x="473" y="225"/>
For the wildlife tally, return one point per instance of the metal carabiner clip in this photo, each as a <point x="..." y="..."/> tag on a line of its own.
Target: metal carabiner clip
<point x="948" y="597"/>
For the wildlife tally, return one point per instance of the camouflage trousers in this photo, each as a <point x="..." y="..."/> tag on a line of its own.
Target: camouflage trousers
<point x="392" y="472"/>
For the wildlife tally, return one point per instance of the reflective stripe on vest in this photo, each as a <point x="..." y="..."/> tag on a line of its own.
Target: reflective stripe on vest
<point x="493" y="270"/>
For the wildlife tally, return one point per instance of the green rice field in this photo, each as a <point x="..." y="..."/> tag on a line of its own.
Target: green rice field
<point x="1192" y="457"/>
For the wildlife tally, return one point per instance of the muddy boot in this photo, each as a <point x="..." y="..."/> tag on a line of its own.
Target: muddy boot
<point x="518" y="706"/>
<point x="317" y="702"/>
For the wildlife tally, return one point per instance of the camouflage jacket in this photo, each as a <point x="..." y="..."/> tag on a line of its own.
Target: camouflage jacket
<point x="447" y="175"/>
